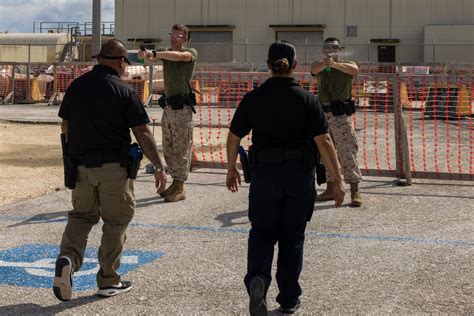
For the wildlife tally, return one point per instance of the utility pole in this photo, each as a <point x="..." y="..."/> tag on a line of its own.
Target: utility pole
<point x="96" y="29"/>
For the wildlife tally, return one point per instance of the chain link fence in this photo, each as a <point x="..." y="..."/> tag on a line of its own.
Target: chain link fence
<point x="250" y="52"/>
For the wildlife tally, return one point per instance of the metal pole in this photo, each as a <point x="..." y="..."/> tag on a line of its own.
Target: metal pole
<point x="96" y="21"/>
<point x="52" y="99"/>
<point x="306" y="51"/>
<point x="368" y="51"/>
<point x="150" y="85"/>
<point x="28" y="85"/>
<point x="13" y="83"/>
<point x="246" y="43"/>
<point x="401" y="136"/>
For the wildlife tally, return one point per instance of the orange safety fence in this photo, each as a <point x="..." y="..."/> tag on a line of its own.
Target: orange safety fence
<point x="402" y="121"/>
<point x="6" y="75"/>
<point x="439" y="111"/>
<point x="410" y="120"/>
<point x="30" y="82"/>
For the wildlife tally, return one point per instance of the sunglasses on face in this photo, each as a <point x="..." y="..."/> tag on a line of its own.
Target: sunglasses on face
<point x="180" y="36"/>
<point x="330" y="46"/>
<point x="125" y="59"/>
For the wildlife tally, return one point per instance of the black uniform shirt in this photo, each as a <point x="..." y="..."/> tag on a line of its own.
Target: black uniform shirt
<point x="280" y="114"/>
<point x="100" y="108"/>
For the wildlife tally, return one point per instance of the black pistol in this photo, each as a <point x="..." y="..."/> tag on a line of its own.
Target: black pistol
<point x="244" y="162"/>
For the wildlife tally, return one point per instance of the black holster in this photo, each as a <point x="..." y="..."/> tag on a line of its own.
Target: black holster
<point x="245" y="164"/>
<point x="135" y="155"/>
<point x="70" y="173"/>
<point x="339" y="108"/>
<point x="70" y="167"/>
<point x="313" y="161"/>
<point x="320" y="173"/>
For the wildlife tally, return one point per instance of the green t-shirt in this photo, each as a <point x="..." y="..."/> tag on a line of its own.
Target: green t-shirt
<point x="334" y="85"/>
<point x="177" y="74"/>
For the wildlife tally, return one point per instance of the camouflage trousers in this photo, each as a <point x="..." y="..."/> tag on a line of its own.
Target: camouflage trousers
<point x="177" y="133"/>
<point x="345" y="141"/>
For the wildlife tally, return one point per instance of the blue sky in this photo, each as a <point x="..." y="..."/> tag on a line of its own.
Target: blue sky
<point x="19" y="15"/>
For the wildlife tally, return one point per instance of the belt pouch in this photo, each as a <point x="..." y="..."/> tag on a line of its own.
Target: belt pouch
<point x="349" y="107"/>
<point x="176" y="102"/>
<point x="337" y="108"/>
<point x="162" y="101"/>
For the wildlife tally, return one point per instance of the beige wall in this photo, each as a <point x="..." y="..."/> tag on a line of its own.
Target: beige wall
<point x="398" y="19"/>
<point x="440" y="39"/>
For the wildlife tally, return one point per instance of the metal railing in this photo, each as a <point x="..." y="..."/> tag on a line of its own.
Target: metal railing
<point x="256" y="52"/>
<point x="84" y="28"/>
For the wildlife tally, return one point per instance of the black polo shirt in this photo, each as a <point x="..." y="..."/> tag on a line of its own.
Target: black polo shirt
<point x="280" y="114"/>
<point x="100" y="108"/>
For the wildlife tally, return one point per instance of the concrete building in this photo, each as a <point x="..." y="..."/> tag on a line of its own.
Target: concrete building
<point x="408" y="31"/>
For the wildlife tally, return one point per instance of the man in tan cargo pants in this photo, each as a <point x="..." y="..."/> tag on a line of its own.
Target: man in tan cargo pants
<point x="177" y="121"/>
<point x="98" y="111"/>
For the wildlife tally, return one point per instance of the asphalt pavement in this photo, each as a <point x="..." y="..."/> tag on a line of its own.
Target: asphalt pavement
<point x="407" y="250"/>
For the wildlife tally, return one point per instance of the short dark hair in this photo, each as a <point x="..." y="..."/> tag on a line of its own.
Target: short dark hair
<point x="332" y="39"/>
<point x="281" y="56"/>
<point x="183" y="28"/>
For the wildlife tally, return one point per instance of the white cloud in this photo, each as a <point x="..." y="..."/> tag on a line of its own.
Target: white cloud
<point x="19" y="15"/>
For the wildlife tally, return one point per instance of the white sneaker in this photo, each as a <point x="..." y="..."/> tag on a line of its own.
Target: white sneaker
<point x="113" y="290"/>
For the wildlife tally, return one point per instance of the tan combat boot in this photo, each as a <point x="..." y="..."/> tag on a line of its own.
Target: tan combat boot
<point x="177" y="194"/>
<point x="356" y="198"/>
<point x="327" y="195"/>
<point x="169" y="190"/>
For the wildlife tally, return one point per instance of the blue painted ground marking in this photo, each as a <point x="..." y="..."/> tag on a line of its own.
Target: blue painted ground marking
<point x="33" y="266"/>
<point x="243" y="230"/>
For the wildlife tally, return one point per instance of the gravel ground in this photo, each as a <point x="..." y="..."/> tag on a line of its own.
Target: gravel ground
<point x="30" y="161"/>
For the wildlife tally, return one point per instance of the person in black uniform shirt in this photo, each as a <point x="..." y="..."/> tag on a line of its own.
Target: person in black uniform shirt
<point x="285" y="120"/>
<point x="98" y="111"/>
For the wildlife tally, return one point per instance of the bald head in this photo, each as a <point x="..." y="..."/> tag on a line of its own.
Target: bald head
<point x="111" y="55"/>
<point x="113" y="47"/>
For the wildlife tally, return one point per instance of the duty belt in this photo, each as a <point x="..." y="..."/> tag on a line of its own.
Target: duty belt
<point x="277" y="155"/>
<point x="96" y="159"/>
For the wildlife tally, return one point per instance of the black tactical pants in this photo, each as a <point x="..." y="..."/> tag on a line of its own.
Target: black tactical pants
<point x="281" y="201"/>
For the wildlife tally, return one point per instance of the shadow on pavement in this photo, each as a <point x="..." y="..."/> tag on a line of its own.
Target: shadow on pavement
<point x="227" y="218"/>
<point x="35" y="309"/>
<point x="44" y="218"/>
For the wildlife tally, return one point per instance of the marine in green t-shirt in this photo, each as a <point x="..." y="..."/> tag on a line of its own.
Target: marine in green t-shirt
<point x="178" y="74"/>
<point x="177" y="120"/>
<point x="334" y="78"/>
<point x="334" y="84"/>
